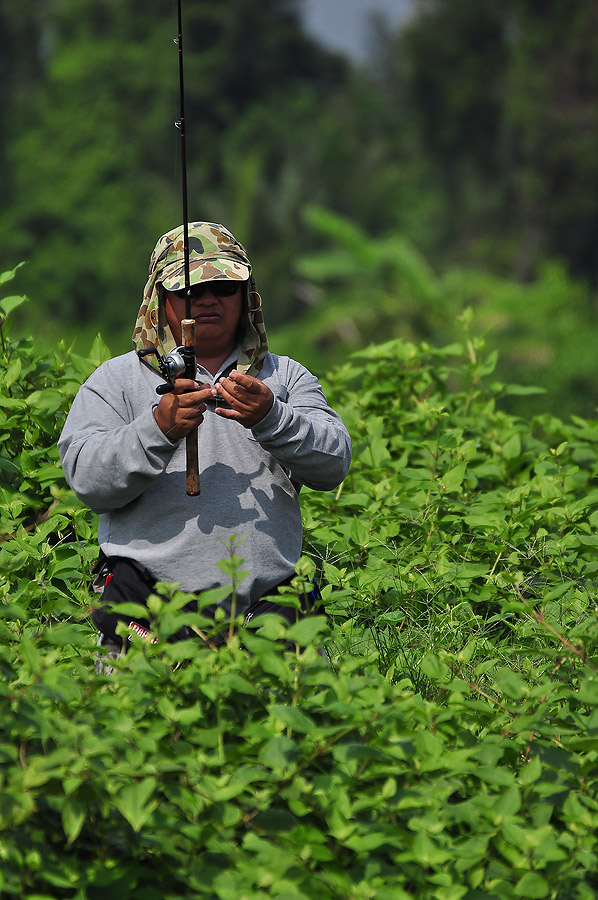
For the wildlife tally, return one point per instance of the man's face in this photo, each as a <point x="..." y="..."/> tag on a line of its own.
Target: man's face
<point x="216" y="316"/>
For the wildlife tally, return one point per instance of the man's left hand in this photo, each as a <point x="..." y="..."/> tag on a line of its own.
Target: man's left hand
<point x="248" y="397"/>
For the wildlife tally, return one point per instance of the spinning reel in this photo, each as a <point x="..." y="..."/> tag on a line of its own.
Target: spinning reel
<point x="174" y="365"/>
<point x="180" y="361"/>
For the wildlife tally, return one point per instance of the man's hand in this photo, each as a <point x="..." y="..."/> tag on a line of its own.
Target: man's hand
<point x="181" y="410"/>
<point x="249" y="398"/>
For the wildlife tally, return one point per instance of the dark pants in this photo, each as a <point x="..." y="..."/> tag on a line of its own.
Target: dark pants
<point x="119" y="580"/>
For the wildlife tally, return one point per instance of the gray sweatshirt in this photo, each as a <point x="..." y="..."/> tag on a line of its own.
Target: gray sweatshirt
<point x="123" y="467"/>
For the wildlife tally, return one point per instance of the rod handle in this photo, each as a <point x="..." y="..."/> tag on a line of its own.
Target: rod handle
<point x="192" y="479"/>
<point x="191" y="441"/>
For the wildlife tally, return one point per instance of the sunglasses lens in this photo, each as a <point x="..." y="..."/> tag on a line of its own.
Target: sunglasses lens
<point x="218" y="288"/>
<point x="224" y="288"/>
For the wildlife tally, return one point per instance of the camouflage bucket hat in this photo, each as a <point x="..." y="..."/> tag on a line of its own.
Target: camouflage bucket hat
<point x="213" y="254"/>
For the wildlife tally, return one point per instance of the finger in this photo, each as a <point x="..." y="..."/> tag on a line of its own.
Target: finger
<point x="228" y="413"/>
<point x="175" y="420"/>
<point x="191" y="418"/>
<point x="229" y="391"/>
<point x="247" y="390"/>
<point x="251" y="384"/>
<point x="188" y="384"/>
<point x="184" y="385"/>
<point x="245" y="417"/>
<point x="243" y="377"/>
<point x="193" y="397"/>
<point x="196" y="417"/>
<point x="259" y="397"/>
<point x="188" y="408"/>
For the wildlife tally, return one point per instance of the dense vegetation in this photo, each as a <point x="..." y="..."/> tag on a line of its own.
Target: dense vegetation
<point x="468" y="142"/>
<point x="423" y="230"/>
<point x="447" y="752"/>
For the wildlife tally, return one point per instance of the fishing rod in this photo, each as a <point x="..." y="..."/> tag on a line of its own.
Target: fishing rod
<point x="181" y="361"/>
<point x="188" y="323"/>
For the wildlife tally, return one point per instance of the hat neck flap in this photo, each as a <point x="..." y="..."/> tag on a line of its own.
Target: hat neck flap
<point x="214" y="253"/>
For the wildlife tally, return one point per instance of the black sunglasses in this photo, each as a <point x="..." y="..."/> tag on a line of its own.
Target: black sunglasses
<point x="224" y="288"/>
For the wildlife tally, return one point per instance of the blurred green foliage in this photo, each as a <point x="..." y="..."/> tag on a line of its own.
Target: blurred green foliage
<point x="362" y="289"/>
<point x="466" y="147"/>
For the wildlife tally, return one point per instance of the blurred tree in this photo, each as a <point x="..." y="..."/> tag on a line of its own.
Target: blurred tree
<point x="502" y="99"/>
<point x="367" y="290"/>
<point x="468" y="138"/>
<point x="551" y="130"/>
<point x="93" y="159"/>
<point x="90" y="136"/>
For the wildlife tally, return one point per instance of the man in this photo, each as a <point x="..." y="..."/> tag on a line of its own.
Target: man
<point x="264" y="429"/>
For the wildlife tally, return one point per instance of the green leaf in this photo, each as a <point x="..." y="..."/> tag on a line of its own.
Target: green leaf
<point x="366" y="843"/>
<point x="73" y="814"/>
<point x="521" y="390"/>
<point x="13" y="371"/>
<point x="134" y="610"/>
<point x="487" y="521"/>
<point x="7" y="465"/>
<point x="453" y="479"/>
<point x="511" y="449"/>
<point x="13" y="610"/>
<point x="274" y="821"/>
<point x="531" y="771"/>
<point x="426" y="853"/>
<point x="434" y="668"/>
<point x="62" y="634"/>
<point x="509" y="803"/>
<point x="134" y="803"/>
<point x="360" y="532"/>
<point x="9" y="304"/>
<point x="293" y="718"/>
<point x="588" y="691"/>
<point x="304" y="631"/>
<point x="509" y="683"/>
<point x="10" y="274"/>
<point x="532" y="886"/>
<point x="99" y="352"/>
<point x="464" y="655"/>
<point x="377" y="451"/>
<point x="279" y="753"/>
<point x="495" y="775"/>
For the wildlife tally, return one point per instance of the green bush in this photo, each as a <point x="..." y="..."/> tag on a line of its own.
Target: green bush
<point x="456" y="518"/>
<point x="227" y="774"/>
<point x="445" y="751"/>
<point x="44" y="531"/>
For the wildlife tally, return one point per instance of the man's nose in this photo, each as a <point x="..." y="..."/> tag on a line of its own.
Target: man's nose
<point x="207" y="298"/>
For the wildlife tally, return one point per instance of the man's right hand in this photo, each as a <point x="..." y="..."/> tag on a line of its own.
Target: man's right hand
<point x="182" y="409"/>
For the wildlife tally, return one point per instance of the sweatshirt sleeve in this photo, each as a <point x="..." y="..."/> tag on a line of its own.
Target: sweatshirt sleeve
<point x="304" y="434"/>
<point x="109" y="455"/>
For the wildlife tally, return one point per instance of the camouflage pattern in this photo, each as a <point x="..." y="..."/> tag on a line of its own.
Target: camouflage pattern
<point x="213" y="254"/>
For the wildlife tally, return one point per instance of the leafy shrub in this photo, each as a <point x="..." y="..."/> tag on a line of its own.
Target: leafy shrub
<point x="44" y="531"/>
<point x="454" y="511"/>
<point x="446" y="752"/>
<point x="192" y="772"/>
